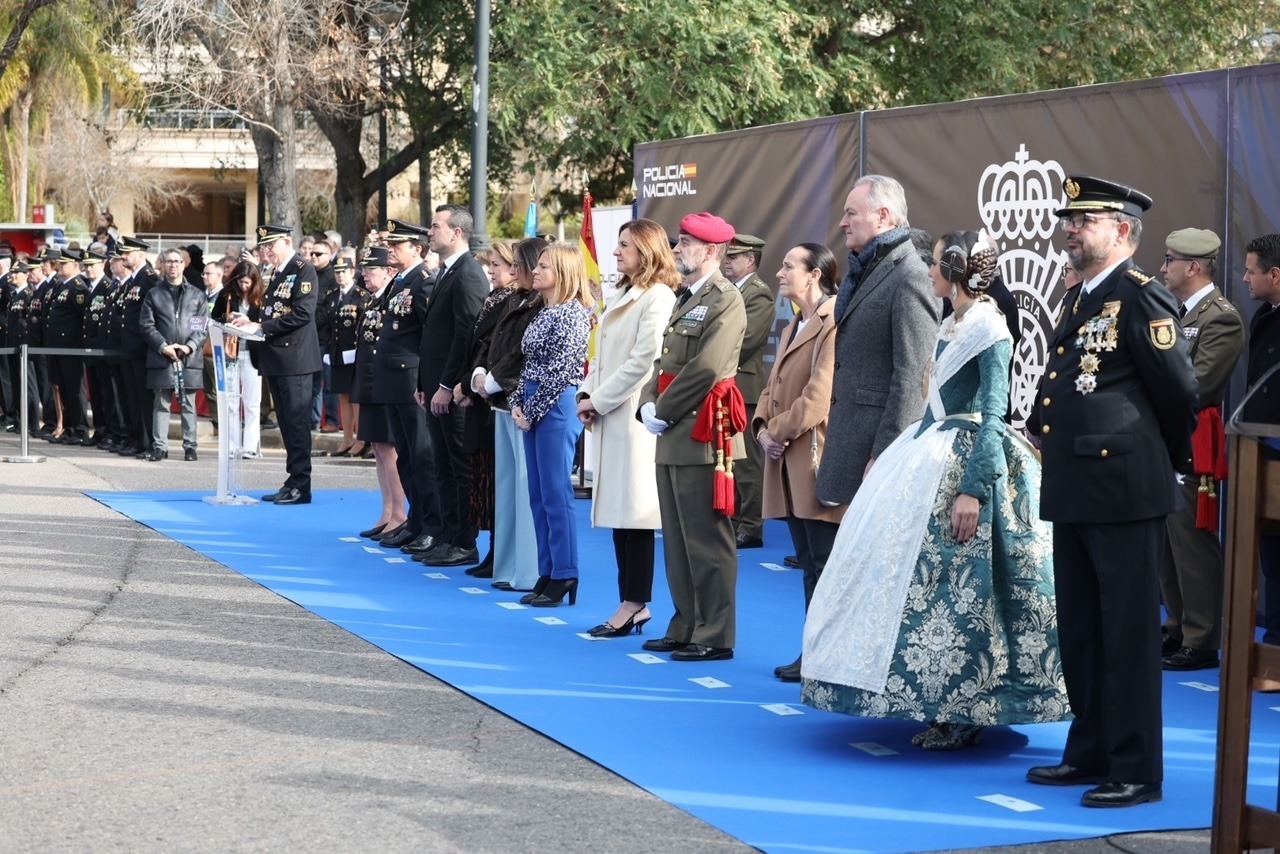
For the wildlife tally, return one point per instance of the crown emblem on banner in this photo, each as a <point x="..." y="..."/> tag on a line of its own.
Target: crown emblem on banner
<point x="1017" y="201"/>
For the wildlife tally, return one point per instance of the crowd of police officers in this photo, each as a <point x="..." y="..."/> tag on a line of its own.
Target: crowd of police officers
<point x="78" y="299"/>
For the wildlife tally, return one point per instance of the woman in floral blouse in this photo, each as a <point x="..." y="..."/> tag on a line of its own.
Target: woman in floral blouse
<point x="544" y="406"/>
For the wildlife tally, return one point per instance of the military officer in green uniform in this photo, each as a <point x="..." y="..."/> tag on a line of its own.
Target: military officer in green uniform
<point x="742" y="267"/>
<point x="1113" y="414"/>
<point x="1191" y="576"/>
<point x="684" y="404"/>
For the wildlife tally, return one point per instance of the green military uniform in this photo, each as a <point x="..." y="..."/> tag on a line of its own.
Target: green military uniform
<point x="1191" y="575"/>
<point x="749" y="475"/>
<point x="700" y="348"/>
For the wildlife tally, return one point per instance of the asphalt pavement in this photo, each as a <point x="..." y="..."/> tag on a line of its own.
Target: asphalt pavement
<point x="153" y="700"/>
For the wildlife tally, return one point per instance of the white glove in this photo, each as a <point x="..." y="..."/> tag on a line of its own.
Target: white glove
<point x="477" y="376"/>
<point x="491" y="385"/>
<point x="325" y="358"/>
<point x="655" y="425"/>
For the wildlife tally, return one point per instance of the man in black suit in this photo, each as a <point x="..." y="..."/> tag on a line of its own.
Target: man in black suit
<point x="1262" y="404"/>
<point x="460" y="289"/>
<point x="395" y="386"/>
<point x="290" y="355"/>
<point x="1114" y="415"/>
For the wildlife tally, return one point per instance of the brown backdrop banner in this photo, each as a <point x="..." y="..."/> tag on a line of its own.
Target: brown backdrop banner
<point x="1199" y="144"/>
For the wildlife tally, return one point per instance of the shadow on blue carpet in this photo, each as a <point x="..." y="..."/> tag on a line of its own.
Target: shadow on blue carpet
<point x="725" y="741"/>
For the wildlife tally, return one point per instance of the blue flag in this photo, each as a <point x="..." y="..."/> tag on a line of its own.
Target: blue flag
<point x="531" y="221"/>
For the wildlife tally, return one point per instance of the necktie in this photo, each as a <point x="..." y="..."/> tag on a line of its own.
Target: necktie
<point x="683" y="296"/>
<point x="1182" y="311"/>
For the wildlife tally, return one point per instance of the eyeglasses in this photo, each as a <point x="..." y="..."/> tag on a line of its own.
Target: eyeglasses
<point x="317" y="254"/>
<point x="171" y="261"/>
<point x="1077" y="220"/>
<point x="1169" y="259"/>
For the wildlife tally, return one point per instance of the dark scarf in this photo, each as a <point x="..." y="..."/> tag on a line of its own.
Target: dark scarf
<point x="861" y="263"/>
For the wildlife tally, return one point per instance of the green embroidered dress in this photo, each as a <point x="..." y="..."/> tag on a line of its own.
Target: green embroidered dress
<point x="908" y="623"/>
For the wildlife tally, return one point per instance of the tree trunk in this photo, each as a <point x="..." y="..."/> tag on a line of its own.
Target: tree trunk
<point x="425" y="209"/>
<point x="278" y="158"/>
<point x="349" y="197"/>
<point x="22" y="151"/>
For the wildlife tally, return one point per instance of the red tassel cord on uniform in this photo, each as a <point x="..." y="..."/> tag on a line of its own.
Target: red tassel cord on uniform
<point x="723" y="415"/>
<point x="1209" y="464"/>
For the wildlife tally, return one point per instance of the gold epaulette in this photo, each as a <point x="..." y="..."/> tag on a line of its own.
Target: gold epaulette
<point x="1140" y="277"/>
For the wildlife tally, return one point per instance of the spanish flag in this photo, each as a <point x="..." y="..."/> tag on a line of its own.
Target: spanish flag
<point x="587" y="243"/>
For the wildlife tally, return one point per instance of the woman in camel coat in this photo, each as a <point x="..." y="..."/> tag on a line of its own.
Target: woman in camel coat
<point x="791" y="417"/>
<point x="624" y="493"/>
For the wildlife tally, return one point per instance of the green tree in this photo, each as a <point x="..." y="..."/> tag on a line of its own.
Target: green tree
<point x="576" y="86"/>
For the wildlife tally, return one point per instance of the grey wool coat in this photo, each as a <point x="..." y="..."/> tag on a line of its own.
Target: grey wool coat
<point x="166" y="318"/>
<point x="884" y="339"/>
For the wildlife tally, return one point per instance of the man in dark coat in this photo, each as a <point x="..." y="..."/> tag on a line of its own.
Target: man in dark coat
<point x="290" y="355"/>
<point x="174" y="322"/>
<point x="137" y="401"/>
<point x="1262" y="400"/>
<point x="455" y="301"/>
<point x="1114" y="414"/>
<point x="64" y="327"/>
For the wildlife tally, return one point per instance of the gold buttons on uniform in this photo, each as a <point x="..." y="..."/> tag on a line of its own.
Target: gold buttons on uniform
<point x="1053" y="375"/>
<point x="666" y="350"/>
<point x="1044" y="431"/>
<point x="1103" y="454"/>
<point x="1061" y="350"/>
<point x="1048" y="401"/>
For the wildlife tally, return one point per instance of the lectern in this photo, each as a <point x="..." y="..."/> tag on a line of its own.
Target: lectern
<point x="225" y="341"/>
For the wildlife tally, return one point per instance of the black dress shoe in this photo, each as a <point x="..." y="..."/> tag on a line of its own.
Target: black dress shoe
<point x="156" y="456"/>
<point x="791" y="561"/>
<point x="1169" y="644"/>
<point x="1187" y="658"/>
<point x="373" y="532"/>
<point x="454" y="556"/>
<point x="434" y="552"/>
<point x="402" y="536"/>
<point x="272" y="497"/>
<point x="663" y="644"/>
<point x="745" y="542"/>
<point x="1062" y="775"/>
<point x="189" y="455"/>
<point x="482" y="570"/>
<point x="293" y="495"/>
<point x="1122" y="795"/>
<point x="502" y="585"/>
<point x="420" y="544"/>
<point x="127" y="450"/>
<point x="789" y="672"/>
<point x="698" y="652"/>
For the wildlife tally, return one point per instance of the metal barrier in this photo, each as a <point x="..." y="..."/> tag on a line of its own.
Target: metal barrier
<point x="24" y="353"/>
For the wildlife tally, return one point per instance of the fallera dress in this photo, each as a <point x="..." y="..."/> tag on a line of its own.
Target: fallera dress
<point x="906" y="622"/>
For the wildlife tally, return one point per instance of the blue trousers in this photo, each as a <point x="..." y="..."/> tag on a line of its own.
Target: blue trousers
<point x="548" y="449"/>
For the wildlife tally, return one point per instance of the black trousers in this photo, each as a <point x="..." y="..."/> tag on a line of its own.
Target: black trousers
<point x="451" y="469"/>
<point x="119" y="427"/>
<point x="633" y="548"/>
<point x="139" y="401"/>
<point x="813" y="539"/>
<point x="67" y="373"/>
<point x="1108" y="592"/>
<point x="14" y="368"/>
<point x="293" y="413"/>
<point x="413" y="463"/>
<point x="44" y="388"/>
<point x="8" y="398"/>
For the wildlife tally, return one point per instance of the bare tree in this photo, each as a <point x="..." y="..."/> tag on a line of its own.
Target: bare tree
<point x="98" y="164"/>
<point x="261" y="59"/>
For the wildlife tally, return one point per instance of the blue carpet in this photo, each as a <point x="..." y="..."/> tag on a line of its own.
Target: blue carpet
<point x="724" y="741"/>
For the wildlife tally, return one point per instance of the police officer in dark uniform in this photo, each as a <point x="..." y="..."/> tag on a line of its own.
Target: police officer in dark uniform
<point x="64" y="328"/>
<point x="113" y="334"/>
<point x="395" y="386"/>
<point x="1114" y="415"/>
<point x="16" y="336"/>
<point x="138" y="400"/>
<point x="101" y="389"/>
<point x="343" y="310"/>
<point x="290" y="355"/>
<point x="8" y="399"/>
<point x="42" y="282"/>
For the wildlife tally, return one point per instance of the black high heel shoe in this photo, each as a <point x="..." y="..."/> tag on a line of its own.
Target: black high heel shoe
<point x="538" y="587"/>
<point x="365" y="452"/>
<point x="555" y="592"/>
<point x="344" y="452"/>
<point x="604" y="630"/>
<point x="374" y="531"/>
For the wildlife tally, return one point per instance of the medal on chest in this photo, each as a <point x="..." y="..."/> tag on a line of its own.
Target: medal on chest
<point x="1099" y="334"/>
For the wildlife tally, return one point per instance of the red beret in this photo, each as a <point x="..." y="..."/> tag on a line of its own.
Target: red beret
<point x="708" y="228"/>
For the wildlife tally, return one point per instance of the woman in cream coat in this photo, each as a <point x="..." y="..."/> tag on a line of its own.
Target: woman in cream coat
<point x="791" y="417"/>
<point x="625" y="487"/>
